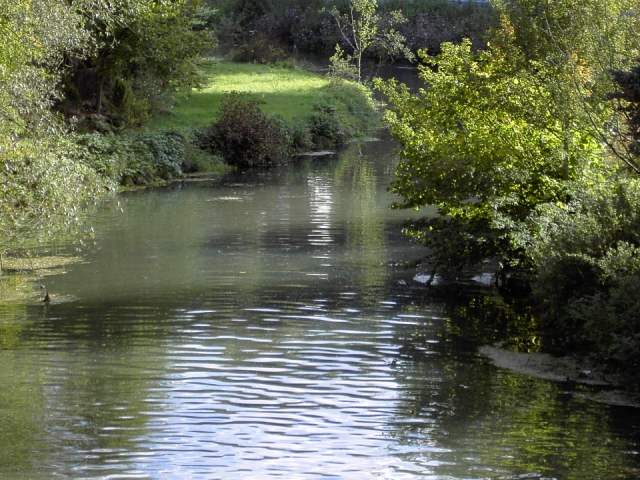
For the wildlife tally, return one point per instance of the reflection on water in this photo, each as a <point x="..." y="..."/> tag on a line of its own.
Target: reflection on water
<point x="254" y="329"/>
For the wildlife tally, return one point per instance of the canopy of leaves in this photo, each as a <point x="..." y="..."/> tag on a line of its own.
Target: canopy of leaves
<point x="134" y="51"/>
<point x="145" y="51"/>
<point x="483" y="141"/>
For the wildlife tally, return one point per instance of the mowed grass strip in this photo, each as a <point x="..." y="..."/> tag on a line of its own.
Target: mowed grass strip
<point x="289" y="93"/>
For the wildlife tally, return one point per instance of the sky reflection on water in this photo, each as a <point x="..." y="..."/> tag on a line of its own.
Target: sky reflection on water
<point x="257" y="329"/>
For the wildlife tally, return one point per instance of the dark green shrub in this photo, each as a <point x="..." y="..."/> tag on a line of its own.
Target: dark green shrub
<point x="133" y="159"/>
<point x="587" y="258"/>
<point x="106" y="154"/>
<point x="259" y="49"/>
<point x="325" y="127"/>
<point x="167" y="153"/>
<point x="245" y="136"/>
<point x="565" y="280"/>
<point x="611" y="316"/>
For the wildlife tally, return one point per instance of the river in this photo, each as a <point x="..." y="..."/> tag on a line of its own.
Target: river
<point x="260" y="328"/>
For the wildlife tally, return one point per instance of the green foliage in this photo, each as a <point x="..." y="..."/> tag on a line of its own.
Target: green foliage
<point x="514" y="146"/>
<point x="120" y="58"/>
<point x="167" y="152"/>
<point x="341" y="65"/>
<point x="484" y="144"/>
<point x="301" y="137"/>
<point x="41" y="186"/>
<point x="590" y="34"/>
<point x="582" y="43"/>
<point x="135" y="158"/>
<point x="587" y="258"/>
<point x="259" y="49"/>
<point x="199" y="161"/>
<point x="345" y="110"/>
<point x="354" y="105"/>
<point x="325" y="127"/>
<point x="145" y="51"/>
<point x="43" y="190"/>
<point x="246" y="137"/>
<point x="362" y="28"/>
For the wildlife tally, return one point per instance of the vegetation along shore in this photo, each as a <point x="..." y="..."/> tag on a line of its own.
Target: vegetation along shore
<point x="524" y="135"/>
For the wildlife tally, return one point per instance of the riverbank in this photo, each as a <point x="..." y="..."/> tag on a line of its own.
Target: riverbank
<point x="274" y="110"/>
<point x="307" y="111"/>
<point x="315" y="113"/>
<point x="607" y="387"/>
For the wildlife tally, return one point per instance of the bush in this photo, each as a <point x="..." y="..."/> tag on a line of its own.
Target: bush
<point x="259" y="49"/>
<point x="325" y="127"/>
<point x="245" y="136"/>
<point x="133" y="159"/>
<point x="587" y="258"/>
<point x="197" y="160"/>
<point x="347" y="109"/>
<point x="167" y="153"/>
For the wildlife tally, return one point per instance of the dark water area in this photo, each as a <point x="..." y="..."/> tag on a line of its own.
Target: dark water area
<point x="403" y="71"/>
<point x="260" y="328"/>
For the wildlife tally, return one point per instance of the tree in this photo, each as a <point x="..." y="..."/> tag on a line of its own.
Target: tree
<point x="145" y="51"/>
<point x="41" y="184"/>
<point x="628" y="93"/>
<point x="362" y="29"/>
<point x="138" y="52"/>
<point x="499" y="132"/>
<point x="582" y="42"/>
<point x="482" y="143"/>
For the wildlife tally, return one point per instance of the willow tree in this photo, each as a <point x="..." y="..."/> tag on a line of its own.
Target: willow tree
<point x="41" y="183"/>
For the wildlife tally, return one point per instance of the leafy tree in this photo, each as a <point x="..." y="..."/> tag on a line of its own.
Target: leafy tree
<point x="41" y="184"/>
<point x="498" y="132"/>
<point x="363" y="29"/>
<point x="121" y="57"/>
<point x="145" y="51"/>
<point x="579" y="43"/>
<point x="482" y="143"/>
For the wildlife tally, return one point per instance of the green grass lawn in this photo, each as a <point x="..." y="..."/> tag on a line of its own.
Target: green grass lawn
<point x="289" y="93"/>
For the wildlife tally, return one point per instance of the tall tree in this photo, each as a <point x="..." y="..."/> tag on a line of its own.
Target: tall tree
<point x="582" y="42"/>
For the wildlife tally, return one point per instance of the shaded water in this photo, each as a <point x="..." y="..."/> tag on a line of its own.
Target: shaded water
<point x="258" y="329"/>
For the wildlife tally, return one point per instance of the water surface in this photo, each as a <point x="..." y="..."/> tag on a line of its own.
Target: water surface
<point x="259" y="328"/>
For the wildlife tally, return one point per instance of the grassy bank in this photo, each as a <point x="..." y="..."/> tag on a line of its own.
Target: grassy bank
<point x="286" y="92"/>
<point x="293" y="110"/>
<point x="289" y="93"/>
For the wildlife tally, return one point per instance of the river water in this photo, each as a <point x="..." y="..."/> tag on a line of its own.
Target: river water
<point x="260" y="328"/>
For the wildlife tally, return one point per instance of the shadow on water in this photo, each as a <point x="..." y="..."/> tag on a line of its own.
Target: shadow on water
<point x="259" y="328"/>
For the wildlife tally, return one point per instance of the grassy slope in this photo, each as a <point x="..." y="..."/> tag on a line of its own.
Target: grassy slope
<point x="289" y="93"/>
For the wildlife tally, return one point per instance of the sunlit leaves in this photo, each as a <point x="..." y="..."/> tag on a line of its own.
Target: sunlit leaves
<point x="483" y="140"/>
<point x="362" y="28"/>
